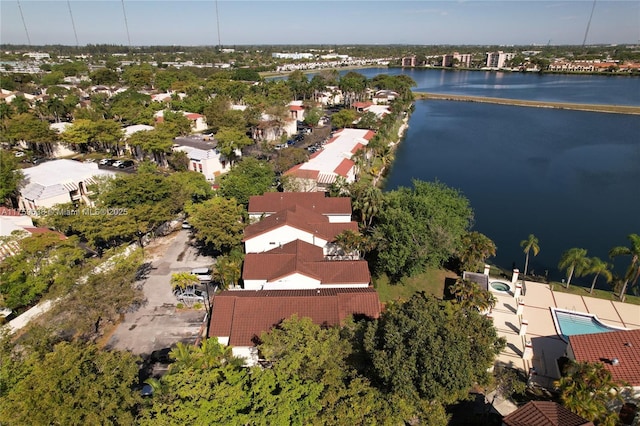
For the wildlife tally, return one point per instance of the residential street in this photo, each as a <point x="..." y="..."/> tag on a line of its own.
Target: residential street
<point x="158" y="324"/>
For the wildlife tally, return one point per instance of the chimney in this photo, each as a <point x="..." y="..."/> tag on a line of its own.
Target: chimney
<point x="615" y="361"/>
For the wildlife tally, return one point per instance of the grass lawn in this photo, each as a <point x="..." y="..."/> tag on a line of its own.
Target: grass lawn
<point x="599" y="294"/>
<point x="431" y="282"/>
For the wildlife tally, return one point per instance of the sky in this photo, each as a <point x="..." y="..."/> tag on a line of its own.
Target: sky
<point x="326" y="22"/>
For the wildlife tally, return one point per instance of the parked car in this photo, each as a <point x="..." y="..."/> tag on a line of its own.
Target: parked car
<point x="186" y="225"/>
<point x="191" y="296"/>
<point x="117" y="163"/>
<point x="203" y="274"/>
<point x="124" y="164"/>
<point x="106" y="161"/>
<point x="19" y="154"/>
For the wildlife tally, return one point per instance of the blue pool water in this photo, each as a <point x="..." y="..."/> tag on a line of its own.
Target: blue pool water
<point x="572" y="324"/>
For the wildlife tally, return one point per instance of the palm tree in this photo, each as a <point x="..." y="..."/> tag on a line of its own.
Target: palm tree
<point x="633" y="271"/>
<point x="476" y="248"/>
<point x="598" y="267"/>
<point x="575" y="261"/>
<point x="228" y="270"/>
<point x="368" y="202"/>
<point x="530" y="244"/>
<point x="588" y="391"/>
<point x="470" y="296"/>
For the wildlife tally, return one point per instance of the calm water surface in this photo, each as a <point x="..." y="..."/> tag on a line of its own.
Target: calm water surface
<point x="571" y="178"/>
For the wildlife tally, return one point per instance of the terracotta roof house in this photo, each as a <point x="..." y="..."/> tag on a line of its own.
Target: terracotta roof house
<point x="619" y="351"/>
<point x="323" y="167"/>
<point x="300" y="265"/>
<point x="294" y="223"/>
<point x="336" y="209"/>
<point x="240" y="317"/>
<point x="544" y="413"/>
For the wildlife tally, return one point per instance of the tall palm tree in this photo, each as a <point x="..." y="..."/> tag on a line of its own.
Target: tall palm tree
<point x="529" y="245"/>
<point x="575" y="261"/>
<point x="476" y="248"/>
<point x="588" y="391"/>
<point x="471" y="296"/>
<point x="599" y="267"/>
<point x="633" y="271"/>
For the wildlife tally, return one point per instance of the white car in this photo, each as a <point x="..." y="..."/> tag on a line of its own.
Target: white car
<point x="117" y="163"/>
<point x="19" y="154"/>
<point x="191" y="296"/>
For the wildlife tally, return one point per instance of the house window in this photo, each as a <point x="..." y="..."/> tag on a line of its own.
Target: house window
<point x="195" y="167"/>
<point x="200" y="167"/>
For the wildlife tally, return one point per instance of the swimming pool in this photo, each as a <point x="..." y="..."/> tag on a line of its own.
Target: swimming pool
<point x="569" y="323"/>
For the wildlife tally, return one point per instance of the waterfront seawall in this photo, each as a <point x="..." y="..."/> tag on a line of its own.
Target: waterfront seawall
<point x="612" y="109"/>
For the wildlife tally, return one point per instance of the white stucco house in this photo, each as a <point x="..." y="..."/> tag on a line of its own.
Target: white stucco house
<point x="204" y="157"/>
<point x="299" y="265"/>
<point x="57" y="182"/>
<point x="294" y="223"/>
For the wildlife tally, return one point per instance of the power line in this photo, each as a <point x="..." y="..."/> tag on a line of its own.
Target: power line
<point x="593" y="7"/>
<point x="73" y="24"/>
<point x="24" y="23"/>
<point x="218" y="25"/>
<point x="126" y="24"/>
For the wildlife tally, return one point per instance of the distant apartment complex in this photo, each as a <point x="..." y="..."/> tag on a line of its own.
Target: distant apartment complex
<point x="498" y="59"/>
<point x="462" y="60"/>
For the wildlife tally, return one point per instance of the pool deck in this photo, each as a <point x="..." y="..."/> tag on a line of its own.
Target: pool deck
<point x="541" y="332"/>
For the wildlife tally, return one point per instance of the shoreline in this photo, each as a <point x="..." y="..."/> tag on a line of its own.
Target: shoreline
<point x="611" y="109"/>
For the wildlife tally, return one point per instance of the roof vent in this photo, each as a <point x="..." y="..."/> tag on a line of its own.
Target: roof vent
<point x="615" y="361"/>
<point x="628" y="344"/>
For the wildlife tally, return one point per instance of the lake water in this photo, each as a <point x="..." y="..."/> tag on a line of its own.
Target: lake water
<point x="571" y="178"/>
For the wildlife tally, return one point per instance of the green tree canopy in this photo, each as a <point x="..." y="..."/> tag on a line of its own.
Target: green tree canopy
<point x="428" y="349"/>
<point x="230" y="141"/>
<point x="218" y="222"/>
<point x="420" y="227"/>
<point x="344" y="118"/>
<point x="44" y="260"/>
<point x="10" y="177"/>
<point x="249" y="177"/>
<point x="76" y="384"/>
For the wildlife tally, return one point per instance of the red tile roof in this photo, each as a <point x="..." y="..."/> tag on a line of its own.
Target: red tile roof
<point x="244" y="315"/>
<point x="302" y="219"/>
<point x="305" y="259"/>
<point x="344" y="167"/>
<point x="357" y="148"/>
<point x="272" y="202"/>
<point x="603" y="347"/>
<point x="296" y="108"/>
<point x="544" y="413"/>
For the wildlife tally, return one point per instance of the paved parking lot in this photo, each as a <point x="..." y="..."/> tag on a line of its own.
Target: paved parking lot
<point x="158" y="324"/>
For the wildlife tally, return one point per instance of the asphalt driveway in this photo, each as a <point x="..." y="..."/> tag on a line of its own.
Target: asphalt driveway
<point x="158" y="325"/>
